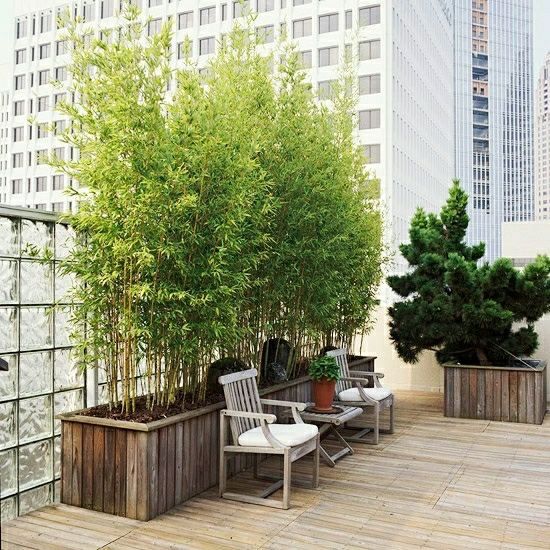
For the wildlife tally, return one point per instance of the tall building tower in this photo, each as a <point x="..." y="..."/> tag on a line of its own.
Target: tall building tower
<point x="542" y="143"/>
<point x="494" y="128"/>
<point x="4" y="142"/>
<point x="403" y="55"/>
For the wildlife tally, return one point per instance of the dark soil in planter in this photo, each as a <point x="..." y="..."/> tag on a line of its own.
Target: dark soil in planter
<point x="183" y="403"/>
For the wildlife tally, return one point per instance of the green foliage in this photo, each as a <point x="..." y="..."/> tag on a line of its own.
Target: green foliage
<point x="463" y="311"/>
<point x="324" y="368"/>
<point x="212" y="218"/>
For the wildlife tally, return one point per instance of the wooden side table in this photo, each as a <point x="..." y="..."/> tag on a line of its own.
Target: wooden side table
<point x="331" y="423"/>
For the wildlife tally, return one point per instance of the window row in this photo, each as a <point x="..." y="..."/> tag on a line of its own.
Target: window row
<point x="38" y="184"/>
<point x="42" y="130"/>
<point x="42" y="77"/>
<point x="39" y="157"/>
<point x="42" y="51"/>
<point x="42" y="103"/>
<point x="368" y="84"/>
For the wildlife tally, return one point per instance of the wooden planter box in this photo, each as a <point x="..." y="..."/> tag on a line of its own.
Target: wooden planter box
<point x="509" y="394"/>
<point x="142" y="470"/>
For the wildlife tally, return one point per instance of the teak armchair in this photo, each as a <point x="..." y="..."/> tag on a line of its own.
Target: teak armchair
<point x="253" y="431"/>
<point x="351" y="391"/>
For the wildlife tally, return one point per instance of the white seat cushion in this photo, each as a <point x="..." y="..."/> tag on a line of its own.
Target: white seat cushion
<point x="374" y="393"/>
<point x="289" y="435"/>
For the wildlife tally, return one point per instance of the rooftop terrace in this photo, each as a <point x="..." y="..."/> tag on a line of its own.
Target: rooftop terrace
<point x="436" y="483"/>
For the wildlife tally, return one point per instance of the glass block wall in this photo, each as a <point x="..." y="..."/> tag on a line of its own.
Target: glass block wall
<point x="41" y="380"/>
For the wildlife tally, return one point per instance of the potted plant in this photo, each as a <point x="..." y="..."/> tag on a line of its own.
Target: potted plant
<point x="477" y="317"/>
<point x="325" y="372"/>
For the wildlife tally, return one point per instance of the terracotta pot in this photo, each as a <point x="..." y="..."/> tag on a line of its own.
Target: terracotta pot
<point x="323" y="393"/>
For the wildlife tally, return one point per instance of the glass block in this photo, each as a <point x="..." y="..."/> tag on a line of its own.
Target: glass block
<point x="8" y="379"/>
<point x="35" y="373"/>
<point x="35" y="498"/>
<point x="57" y="457"/>
<point x="67" y="373"/>
<point x="8" y="472"/>
<point x="36" y="237"/>
<point x="102" y="394"/>
<point x="35" y="464"/>
<point x="67" y="401"/>
<point x="8" y="424"/>
<point x="35" y="418"/>
<point x="36" y="282"/>
<point x="57" y="491"/>
<point x="9" y="236"/>
<point x="8" y="509"/>
<point x="8" y="282"/>
<point x="8" y="329"/>
<point x="63" y="286"/>
<point x="101" y="374"/>
<point x="36" y="328"/>
<point x="64" y="240"/>
<point x="63" y="326"/>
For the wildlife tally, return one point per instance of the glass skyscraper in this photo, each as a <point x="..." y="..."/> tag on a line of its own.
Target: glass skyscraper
<point x="494" y="114"/>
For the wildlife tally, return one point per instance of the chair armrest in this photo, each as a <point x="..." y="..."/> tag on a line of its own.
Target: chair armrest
<point x="290" y="404"/>
<point x="363" y="374"/>
<point x="355" y="379"/>
<point x="269" y="418"/>
<point x="294" y="406"/>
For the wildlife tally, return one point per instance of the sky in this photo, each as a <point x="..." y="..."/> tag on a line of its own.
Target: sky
<point x="541" y="34"/>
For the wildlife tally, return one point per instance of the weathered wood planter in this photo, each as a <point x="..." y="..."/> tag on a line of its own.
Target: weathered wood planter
<point x="142" y="470"/>
<point x="509" y="394"/>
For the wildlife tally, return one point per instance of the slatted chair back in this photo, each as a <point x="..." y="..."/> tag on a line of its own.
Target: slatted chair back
<point x="241" y="394"/>
<point x="342" y="359"/>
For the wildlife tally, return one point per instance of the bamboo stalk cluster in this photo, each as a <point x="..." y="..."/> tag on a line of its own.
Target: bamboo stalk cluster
<point x="217" y="209"/>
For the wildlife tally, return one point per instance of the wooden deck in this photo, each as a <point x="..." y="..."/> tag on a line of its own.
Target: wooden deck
<point x="438" y="482"/>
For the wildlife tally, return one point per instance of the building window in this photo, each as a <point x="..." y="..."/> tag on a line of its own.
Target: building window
<point x="369" y="50"/>
<point x="224" y="12"/>
<point x="59" y="127"/>
<point x="41" y="184"/>
<point x="154" y="26"/>
<point x="325" y="89"/>
<point x="107" y="8"/>
<point x="328" y="56"/>
<point x="369" y="84"/>
<point x="301" y="2"/>
<point x="20" y="82"/>
<point x="369" y="119"/>
<point x="59" y="153"/>
<point x="43" y="51"/>
<point x="57" y="207"/>
<point x="21" y="29"/>
<point x="58" y="182"/>
<point x="57" y="98"/>
<point x="207" y="16"/>
<point x="17" y="160"/>
<point x="185" y="20"/>
<point x="153" y="3"/>
<point x="266" y="35"/>
<point x="88" y="12"/>
<point x="45" y="22"/>
<point x="61" y="73"/>
<point x="61" y="47"/>
<point x="265" y="5"/>
<point x="372" y="153"/>
<point x="41" y="156"/>
<point x="41" y="130"/>
<point x="301" y="27"/>
<point x="369" y="16"/>
<point x="305" y="59"/>
<point x="18" y="134"/>
<point x="18" y="108"/>
<point x="349" y="19"/>
<point x="17" y="186"/>
<point x="240" y="9"/>
<point x="43" y="77"/>
<point x="328" y="23"/>
<point x="20" y="56"/>
<point x="207" y="45"/>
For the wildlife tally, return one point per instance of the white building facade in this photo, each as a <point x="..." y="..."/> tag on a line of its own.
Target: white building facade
<point x="494" y="114"/>
<point x="542" y="143"/>
<point x="403" y="55"/>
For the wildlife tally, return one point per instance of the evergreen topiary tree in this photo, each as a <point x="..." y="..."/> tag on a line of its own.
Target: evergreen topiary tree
<point x="452" y="305"/>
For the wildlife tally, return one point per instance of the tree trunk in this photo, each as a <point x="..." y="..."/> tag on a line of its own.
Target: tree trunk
<point x="482" y="357"/>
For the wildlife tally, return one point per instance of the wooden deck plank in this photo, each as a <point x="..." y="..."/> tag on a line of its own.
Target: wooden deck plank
<point x="438" y="482"/>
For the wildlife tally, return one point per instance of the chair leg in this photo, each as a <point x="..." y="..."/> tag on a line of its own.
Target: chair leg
<point x="391" y="417"/>
<point x="316" y="460"/>
<point x="223" y="462"/>
<point x="376" y="429"/>
<point x="287" y="473"/>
